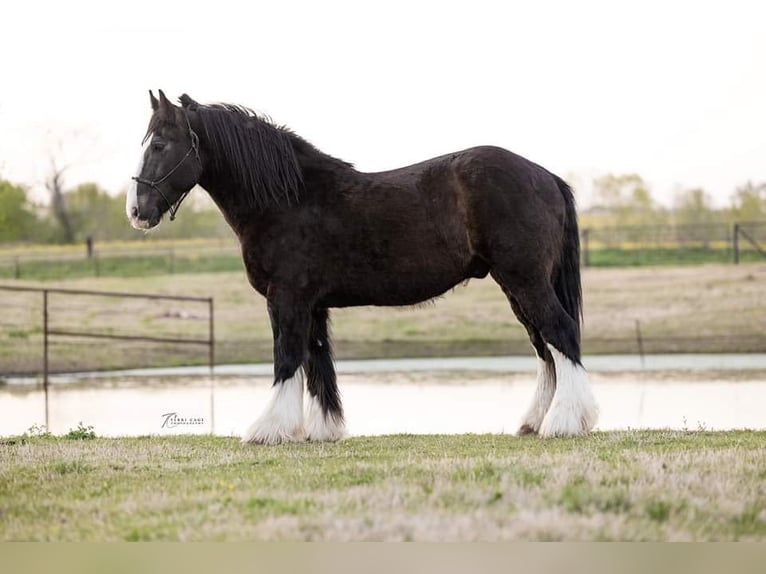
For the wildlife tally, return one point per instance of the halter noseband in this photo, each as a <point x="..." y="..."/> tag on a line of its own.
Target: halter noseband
<point x="173" y="208"/>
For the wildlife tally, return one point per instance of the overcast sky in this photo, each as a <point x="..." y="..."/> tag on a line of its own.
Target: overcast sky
<point x="675" y="91"/>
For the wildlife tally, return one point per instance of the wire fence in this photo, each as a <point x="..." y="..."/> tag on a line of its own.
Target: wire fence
<point x="673" y="244"/>
<point x="742" y="241"/>
<point x="123" y="260"/>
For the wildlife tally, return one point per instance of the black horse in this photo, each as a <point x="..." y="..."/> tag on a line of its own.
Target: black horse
<point x="316" y="233"/>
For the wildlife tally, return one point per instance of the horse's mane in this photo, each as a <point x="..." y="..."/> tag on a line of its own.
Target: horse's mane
<point x="262" y="158"/>
<point x="257" y="154"/>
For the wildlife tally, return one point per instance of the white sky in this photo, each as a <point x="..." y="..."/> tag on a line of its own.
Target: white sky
<point x="675" y="91"/>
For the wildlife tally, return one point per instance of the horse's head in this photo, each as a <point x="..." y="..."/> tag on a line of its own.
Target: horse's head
<point x="170" y="165"/>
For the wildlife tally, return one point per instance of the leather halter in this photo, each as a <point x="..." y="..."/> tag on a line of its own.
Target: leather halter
<point x="173" y="208"/>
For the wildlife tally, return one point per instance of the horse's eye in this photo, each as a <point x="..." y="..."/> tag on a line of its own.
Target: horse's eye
<point x="158" y="145"/>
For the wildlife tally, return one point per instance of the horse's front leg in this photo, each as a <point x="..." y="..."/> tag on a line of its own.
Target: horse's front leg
<point x="282" y="421"/>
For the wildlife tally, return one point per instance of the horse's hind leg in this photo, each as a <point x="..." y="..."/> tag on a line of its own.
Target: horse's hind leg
<point x="324" y="418"/>
<point x="546" y="374"/>
<point x="282" y="421"/>
<point x="572" y="410"/>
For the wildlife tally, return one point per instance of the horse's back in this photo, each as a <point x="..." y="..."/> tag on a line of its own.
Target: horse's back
<point x="491" y="178"/>
<point x="490" y="168"/>
<point x="478" y="199"/>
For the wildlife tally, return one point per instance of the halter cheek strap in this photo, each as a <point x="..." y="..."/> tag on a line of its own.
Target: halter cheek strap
<point x="154" y="184"/>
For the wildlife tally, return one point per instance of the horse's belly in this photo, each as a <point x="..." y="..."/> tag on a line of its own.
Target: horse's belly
<point x="392" y="290"/>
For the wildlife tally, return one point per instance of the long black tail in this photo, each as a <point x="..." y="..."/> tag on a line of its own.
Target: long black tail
<point x="566" y="278"/>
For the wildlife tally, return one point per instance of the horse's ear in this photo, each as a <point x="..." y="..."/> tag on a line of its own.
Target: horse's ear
<point x="188" y="102"/>
<point x="165" y="108"/>
<point x="154" y="102"/>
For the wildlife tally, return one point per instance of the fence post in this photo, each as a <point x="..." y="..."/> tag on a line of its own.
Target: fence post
<point x="735" y="246"/>
<point x="45" y="357"/>
<point x="17" y="268"/>
<point x="728" y="242"/>
<point x="585" y="247"/>
<point x="211" y="362"/>
<point x="640" y="340"/>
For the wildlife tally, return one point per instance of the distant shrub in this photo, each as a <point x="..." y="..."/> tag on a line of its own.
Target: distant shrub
<point x="81" y="433"/>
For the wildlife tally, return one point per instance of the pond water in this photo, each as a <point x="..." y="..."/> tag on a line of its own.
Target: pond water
<point x="511" y="364"/>
<point x="389" y="402"/>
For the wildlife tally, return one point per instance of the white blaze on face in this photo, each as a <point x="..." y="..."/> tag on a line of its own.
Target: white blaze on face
<point x="131" y="201"/>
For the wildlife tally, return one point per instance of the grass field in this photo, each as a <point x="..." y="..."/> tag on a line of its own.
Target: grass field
<point x="711" y="308"/>
<point x="635" y="257"/>
<point x="648" y="485"/>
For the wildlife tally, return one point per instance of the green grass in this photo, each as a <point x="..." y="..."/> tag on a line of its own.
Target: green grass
<point x="647" y="485"/>
<point x="121" y="266"/>
<point x="616" y="257"/>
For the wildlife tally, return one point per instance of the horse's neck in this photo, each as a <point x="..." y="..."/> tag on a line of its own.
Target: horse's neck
<point x="317" y="168"/>
<point x="230" y="201"/>
<point x="314" y="160"/>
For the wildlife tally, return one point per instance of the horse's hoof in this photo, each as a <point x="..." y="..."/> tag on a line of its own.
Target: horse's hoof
<point x="325" y="429"/>
<point x="321" y="426"/>
<point x="526" y="430"/>
<point x="564" y="421"/>
<point x="270" y="435"/>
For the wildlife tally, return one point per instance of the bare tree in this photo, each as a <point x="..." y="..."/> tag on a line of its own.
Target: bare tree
<point x="60" y="159"/>
<point x="54" y="183"/>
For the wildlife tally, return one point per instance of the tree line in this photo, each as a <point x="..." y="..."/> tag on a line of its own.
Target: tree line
<point x="87" y="211"/>
<point x="626" y="200"/>
<point x="71" y="216"/>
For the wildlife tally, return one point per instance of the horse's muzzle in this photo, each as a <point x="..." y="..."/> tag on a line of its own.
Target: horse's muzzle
<point x="145" y="223"/>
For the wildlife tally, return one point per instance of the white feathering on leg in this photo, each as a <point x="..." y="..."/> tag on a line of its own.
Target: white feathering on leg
<point x="546" y="387"/>
<point x="282" y="421"/>
<point x="320" y="427"/>
<point x="573" y="410"/>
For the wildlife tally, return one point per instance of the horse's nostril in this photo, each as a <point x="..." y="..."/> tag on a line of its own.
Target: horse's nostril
<point x="134" y="211"/>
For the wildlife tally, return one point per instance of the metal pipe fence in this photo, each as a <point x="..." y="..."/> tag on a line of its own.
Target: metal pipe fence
<point x="49" y="332"/>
